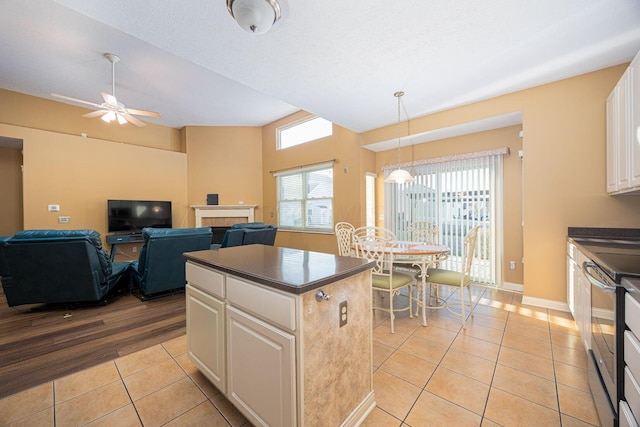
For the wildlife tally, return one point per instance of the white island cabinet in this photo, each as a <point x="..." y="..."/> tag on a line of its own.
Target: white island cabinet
<point x="256" y="330"/>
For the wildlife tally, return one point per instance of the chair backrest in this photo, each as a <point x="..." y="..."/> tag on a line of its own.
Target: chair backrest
<point x="262" y="236"/>
<point x="374" y="248"/>
<point x="54" y="266"/>
<point x="364" y="233"/>
<point x="425" y="232"/>
<point x="161" y="264"/>
<point x="344" y="236"/>
<point x="232" y="237"/>
<point x="469" y="247"/>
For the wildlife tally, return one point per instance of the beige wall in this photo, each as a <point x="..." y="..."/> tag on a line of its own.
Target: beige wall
<point x="512" y="173"/>
<point x="80" y="174"/>
<point x="348" y="197"/>
<point x="39" y="113"/>
<point x="564" y="168"/>
<point x="226" y="161"/>
<point x="10" y="191"/>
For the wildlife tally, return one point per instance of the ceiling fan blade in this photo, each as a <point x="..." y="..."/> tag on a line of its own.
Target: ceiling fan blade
<point x="133" y="120"/>
<point x="97" y="113"/>
<point x="143" y="113"/>
<point x="109" y="99"/>
<point x="80" y="101"/>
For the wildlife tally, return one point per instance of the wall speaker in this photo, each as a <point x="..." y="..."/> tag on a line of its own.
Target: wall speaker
<point x="212" y="199"/>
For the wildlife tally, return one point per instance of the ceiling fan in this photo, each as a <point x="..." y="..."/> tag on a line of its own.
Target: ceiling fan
<point x="111" y="109"/>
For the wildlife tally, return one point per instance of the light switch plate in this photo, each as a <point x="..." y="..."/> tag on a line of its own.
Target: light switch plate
<point x="53" y="208"/>
<point x="64" y="219"/>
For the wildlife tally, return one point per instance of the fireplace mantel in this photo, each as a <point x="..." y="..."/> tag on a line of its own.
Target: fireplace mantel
<point x="223" y="215"/>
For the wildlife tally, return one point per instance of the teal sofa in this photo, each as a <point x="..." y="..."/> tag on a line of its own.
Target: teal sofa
<point x="67" y="267"/>
<point x="160" y="268"/>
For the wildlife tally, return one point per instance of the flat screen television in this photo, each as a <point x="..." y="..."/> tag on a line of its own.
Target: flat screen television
<point x="132" y="216"/>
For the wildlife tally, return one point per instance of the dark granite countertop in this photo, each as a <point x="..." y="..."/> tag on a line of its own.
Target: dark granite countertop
<point x="291" y="270"/>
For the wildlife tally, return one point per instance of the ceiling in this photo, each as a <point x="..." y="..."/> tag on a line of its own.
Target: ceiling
<point x="341" y="60"/>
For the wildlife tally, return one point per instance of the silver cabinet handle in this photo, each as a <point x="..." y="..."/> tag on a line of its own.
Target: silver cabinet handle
<point x="321" y="296"/>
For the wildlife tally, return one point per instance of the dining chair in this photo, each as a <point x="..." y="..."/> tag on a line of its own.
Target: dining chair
<point x="458" y="279"/>
<point x="370" y="231"/>
<point x="383" y="279"/>
<point x="344" y="236"/>
<point x="425" y="232"/>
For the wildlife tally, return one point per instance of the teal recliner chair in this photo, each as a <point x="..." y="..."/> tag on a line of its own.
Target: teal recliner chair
<point x="257" y="233"/>
<point x="160" y="267"/>
<point x="58" y="267"/>
<point x="248" y="233"/>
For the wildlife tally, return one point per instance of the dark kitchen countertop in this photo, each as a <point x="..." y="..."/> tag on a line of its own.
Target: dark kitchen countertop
<point x="291" y="270"/>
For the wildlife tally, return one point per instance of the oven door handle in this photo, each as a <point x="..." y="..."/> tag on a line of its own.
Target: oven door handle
<point x="594" y="281"/>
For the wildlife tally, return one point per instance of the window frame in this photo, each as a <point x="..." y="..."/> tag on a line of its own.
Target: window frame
<point x="304" y="173"/>
<point x="297" y="123"/>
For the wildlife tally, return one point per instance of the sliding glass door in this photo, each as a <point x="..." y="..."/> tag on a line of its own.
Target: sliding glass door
<point x="456" y="194"/>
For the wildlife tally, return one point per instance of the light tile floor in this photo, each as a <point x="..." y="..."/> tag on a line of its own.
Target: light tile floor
<point x="514" y="365"/>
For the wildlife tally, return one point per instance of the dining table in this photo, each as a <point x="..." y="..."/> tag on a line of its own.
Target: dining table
<point x="422" y="256"/>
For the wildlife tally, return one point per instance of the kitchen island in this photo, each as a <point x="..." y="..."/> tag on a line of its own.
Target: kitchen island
<point x="284" y="334"/>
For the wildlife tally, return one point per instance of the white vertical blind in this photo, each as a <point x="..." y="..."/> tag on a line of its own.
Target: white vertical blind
<point x="457" y="195"/>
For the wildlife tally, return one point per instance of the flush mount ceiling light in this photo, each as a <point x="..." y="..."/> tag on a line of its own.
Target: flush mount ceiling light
<point x="399" y="176"/>
<point x="255" y="16"/>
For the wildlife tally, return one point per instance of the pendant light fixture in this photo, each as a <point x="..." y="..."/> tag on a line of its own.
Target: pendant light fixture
<point x="255" y="16"/>
<point x="399" y="176"/>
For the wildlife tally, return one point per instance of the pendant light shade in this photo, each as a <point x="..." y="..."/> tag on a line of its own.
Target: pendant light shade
<point x="255" y="16"/>
<point x="399" y="176"/>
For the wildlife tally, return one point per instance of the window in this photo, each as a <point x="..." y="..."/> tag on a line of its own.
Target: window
<point x="304" y="131"/>
<point x="305" y="199"/>
<point x="455" y="194"/>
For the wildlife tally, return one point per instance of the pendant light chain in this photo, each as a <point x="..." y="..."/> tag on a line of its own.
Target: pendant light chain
<point x="398" y="95"/>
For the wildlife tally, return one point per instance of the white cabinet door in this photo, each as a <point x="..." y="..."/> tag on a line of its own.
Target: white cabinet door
<point x="634" y="117"/>
<point x="261" y="370"/>
<point x="206" y="335"/>
<point x="572" y="288"/>
<point x="585" y="297"/>
<point x="612" y="142"/>
<point x="622" y="138"/>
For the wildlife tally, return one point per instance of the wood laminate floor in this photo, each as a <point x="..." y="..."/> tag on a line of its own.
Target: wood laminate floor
<point x="37" y="346"/>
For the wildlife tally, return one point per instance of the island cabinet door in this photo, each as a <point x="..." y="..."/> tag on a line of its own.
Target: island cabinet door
<point x="261" y="370"/>
<point x="206" y="335"/>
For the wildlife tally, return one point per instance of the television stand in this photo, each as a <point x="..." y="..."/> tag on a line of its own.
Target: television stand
<point x="115" y="239"/>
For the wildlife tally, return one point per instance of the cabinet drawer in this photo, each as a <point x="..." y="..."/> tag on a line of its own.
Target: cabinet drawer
<point x="205" y="279"/>
<point x="632" y="353"/>
<point x="632" y="313"/>
<point x="626" y="417"/>
<point x="631" y="391"/>
<point x="271" y="306"/>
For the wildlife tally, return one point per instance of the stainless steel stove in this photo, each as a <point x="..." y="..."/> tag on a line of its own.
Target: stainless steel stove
<point x="614" y="255"/>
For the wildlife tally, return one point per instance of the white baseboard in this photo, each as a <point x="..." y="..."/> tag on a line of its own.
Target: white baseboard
<point x="545" y="303"/>
<point x="361" y="412"/>
<point x="509" y="286"/>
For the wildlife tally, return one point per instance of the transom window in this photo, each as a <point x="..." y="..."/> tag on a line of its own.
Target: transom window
<point x="303" y="131"/>
<point x="305" y="199"/>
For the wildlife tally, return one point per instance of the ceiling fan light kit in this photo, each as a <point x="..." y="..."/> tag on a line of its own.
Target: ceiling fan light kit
<point x="255" y="16"/>
<point x="399" y="176"/>
<point x="111" y="109"/>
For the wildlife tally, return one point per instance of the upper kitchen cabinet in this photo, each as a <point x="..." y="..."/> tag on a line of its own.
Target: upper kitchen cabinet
<point x="623" y="133"/>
